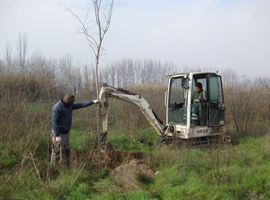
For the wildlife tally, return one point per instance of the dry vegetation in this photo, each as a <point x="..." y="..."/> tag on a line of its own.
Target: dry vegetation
<point x="248" y="107"/>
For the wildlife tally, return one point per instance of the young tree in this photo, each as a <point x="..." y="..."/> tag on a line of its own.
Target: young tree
<point x="2" y="67"/>
<point x="8" y="59"/>
<point x="22" y="49"/>
<point x="102" y="10"/>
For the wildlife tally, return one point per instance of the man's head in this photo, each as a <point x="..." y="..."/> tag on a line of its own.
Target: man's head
<point x="198" y="87"/>
<point x="69" y="98"/>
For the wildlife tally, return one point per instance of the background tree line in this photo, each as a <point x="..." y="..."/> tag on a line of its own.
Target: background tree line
<point x="74" y="77"/>
<point x="27" y="78"/>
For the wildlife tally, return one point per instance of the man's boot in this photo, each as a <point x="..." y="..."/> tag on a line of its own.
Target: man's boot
<point x="67" y="159"/>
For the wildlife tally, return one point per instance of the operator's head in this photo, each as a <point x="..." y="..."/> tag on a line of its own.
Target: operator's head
<point x="198" y="87"/>
<point x="69" y="98"/>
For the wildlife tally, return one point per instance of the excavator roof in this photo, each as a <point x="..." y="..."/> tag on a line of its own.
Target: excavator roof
<point x="188" y="73"/>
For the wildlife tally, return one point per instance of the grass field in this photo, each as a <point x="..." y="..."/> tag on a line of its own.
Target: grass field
<point x="238" y="171"/>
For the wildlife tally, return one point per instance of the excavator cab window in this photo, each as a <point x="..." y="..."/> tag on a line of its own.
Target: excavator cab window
<point x="216" y="102"/>
<point x="177" y="109"/>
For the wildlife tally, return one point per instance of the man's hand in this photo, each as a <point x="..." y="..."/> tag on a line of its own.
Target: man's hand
<point x="202" y="100"/>
<point x="96" y="101"/>
<point x="58" y="139"/>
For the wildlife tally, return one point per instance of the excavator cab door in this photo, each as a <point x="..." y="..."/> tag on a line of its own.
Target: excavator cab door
<point x="216" y="106"/>
<point x="211" y="112"/>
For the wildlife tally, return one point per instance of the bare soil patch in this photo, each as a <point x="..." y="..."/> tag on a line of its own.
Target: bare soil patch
<point x="110" y="159"/>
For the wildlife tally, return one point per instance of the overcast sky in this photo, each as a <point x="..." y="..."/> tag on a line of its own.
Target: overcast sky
<point x="217" y="34"/>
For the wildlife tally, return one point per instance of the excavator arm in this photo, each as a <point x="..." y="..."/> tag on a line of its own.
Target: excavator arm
<point x="107" y="92"/>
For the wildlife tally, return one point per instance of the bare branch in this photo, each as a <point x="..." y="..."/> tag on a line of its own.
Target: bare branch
<point x="88" y="37"/>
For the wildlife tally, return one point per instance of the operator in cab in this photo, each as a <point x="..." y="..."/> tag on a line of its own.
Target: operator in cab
<point x="198" y="98"/>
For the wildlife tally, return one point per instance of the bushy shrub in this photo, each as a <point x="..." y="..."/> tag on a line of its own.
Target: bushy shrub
<point x="27" y="87"/>
<point x="246" y="108"/>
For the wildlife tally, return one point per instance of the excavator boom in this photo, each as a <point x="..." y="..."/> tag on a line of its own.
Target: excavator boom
<point x="107" y="92"/>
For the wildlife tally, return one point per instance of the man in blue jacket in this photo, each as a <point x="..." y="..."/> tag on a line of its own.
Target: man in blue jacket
<point x="61" y="120"/>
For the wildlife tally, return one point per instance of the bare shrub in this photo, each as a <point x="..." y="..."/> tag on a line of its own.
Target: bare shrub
<point x="25" y="110"/>
<point x="155" y="95"/>
<point x="245" y="108"/>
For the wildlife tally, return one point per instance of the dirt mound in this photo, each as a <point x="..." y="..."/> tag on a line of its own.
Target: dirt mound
<point x="127" y="167"/>
<point x="115" y="158"/>
<point x="132" y="175"/>
<point x="110" y="159"/>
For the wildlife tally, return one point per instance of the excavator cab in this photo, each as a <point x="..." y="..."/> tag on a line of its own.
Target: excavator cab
<point x="190" y="117"/>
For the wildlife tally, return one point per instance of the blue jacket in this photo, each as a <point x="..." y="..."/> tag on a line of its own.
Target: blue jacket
<point x="62" y="116"/>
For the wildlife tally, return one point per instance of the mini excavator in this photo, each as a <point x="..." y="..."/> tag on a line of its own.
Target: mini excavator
<point x="208" y="125"/>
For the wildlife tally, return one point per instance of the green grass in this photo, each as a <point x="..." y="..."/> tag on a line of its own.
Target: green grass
<point x="37" y="106"/>
<point x="237" y="172"/>
<point x="81" y="141"/>
<point x="228" y="172"/>
<point x="144" y="140"/>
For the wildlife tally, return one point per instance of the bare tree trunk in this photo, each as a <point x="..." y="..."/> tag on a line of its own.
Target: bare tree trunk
<point x="22" y="47"/>
<point x="103" y="13"/>
<point x="97" y="110"/>
<point x="9" y="59"/>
